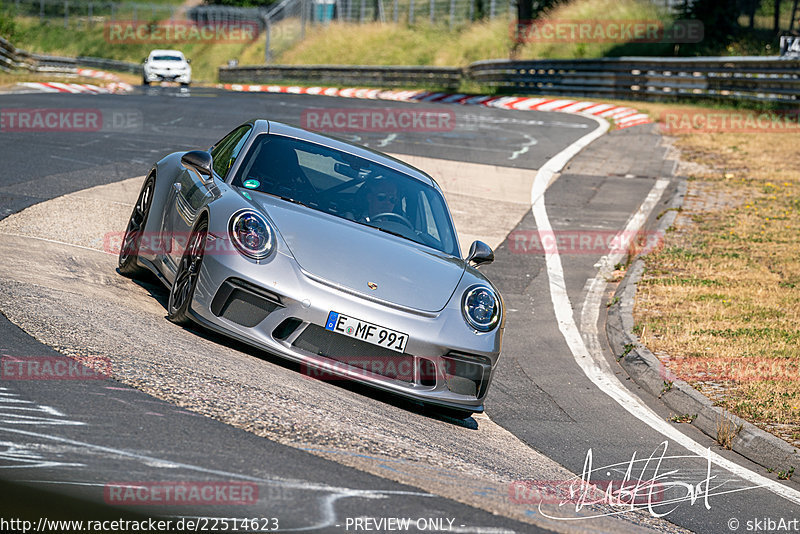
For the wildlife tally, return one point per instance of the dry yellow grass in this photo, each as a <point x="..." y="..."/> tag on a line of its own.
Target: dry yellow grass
<point x="720" y="301"/>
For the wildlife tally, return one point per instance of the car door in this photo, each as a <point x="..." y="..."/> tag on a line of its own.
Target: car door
<point x="190" y="192"/>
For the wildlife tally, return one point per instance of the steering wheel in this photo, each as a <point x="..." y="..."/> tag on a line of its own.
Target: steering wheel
<point x="393" y="216"/>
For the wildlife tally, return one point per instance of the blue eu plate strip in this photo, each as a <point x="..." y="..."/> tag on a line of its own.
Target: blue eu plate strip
<point x="332" y="318"/>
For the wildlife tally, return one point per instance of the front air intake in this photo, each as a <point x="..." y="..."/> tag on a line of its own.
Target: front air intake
<point x="243" y="303"/>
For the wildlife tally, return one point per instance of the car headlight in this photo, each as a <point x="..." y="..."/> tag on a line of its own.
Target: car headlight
<point x="481" y="308"/>
<point x="251" y="234"/>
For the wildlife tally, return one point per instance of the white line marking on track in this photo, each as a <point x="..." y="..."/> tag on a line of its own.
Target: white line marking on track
<point x="62" y="243"/>
<point x="590" y="358"/>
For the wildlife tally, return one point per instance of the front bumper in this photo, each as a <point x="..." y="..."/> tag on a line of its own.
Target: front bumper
<point x="167" y="76"/>
<point x="278" y="308"/>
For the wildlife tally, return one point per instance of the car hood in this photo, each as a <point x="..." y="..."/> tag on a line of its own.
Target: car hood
<point x="349" y="255"/>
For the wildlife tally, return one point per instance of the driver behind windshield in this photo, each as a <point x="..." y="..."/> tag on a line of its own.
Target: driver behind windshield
<point x="380" y="197"/>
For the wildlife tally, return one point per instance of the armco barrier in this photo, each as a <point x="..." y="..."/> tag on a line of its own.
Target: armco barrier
<point x="648" y="78"/>
<point x="93" y="62"/>
<point x="387" y="76"/>
<point x="12" y="58"/>
<point x="630" y="78"/>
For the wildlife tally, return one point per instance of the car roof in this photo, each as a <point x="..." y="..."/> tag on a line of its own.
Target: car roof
<point x="279" y="128"/>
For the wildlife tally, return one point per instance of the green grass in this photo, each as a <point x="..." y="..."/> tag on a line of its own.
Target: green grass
<point x="439" y="45"/>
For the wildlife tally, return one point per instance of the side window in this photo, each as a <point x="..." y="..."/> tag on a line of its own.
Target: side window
<point x="224" y="153"/>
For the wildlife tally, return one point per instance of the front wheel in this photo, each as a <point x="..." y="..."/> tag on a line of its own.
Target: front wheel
<point x="182" y="290"/>
<point x="129" y="251"/>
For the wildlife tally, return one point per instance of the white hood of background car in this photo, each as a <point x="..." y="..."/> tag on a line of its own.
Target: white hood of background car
<point x="350" y="255"/>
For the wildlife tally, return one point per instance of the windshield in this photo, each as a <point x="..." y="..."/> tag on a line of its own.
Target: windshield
<point x="349" y="187"/>
<point x="167" y="58"/>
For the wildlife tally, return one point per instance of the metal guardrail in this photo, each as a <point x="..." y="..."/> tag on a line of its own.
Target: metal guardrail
<point x="631" y="78"/>
<point x="648" y="78"/>
<point x="387" y="76"/>
<point x="92" y="62"/>
<point x="12" y="58"/>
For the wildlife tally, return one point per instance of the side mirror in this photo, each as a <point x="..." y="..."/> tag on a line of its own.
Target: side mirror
<point x="199" y="160"/>
<point x="480" y="253"/>
<point x="188" y="60"/>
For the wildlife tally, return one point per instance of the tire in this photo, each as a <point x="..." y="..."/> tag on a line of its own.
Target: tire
<point x="145" y="82"/>
<point x="182" y="290"/>
<point x="129" y="251"/>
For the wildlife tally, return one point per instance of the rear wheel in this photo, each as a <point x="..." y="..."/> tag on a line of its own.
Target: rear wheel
<point x="129" y="251"/>
<point x="182" y="290"/>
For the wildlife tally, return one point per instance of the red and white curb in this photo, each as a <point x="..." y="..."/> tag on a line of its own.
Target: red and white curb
<point x="75" y="88"/>
<point x="99" y="74"/>
<point x="116" y="85"/>
<point x="622" y="116"/>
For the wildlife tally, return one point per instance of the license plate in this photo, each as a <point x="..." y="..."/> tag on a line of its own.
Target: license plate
<point x="369" y="332"/>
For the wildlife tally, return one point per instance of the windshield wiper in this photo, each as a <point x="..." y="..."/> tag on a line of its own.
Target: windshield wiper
<point x="393" y="233"/>
<point x="287" y="199"/>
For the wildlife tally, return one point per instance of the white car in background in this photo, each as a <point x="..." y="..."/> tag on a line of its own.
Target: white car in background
<point x="166" y="65"/>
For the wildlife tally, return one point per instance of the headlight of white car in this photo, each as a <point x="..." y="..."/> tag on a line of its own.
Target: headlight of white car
<point x="481" y="308"/>
<point x="251" y="234"/>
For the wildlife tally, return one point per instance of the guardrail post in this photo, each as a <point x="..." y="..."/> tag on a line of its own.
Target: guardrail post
<point x="492" y="9"/>
<point x="302" y="19"/>
<point x="411" y="12"/>
<point x="432" y="7"/>
<point x="41" y="10"/>
<point x="91" y="10"/>
<point x="471" y="10"/>
<point x="452" y="12"/>
<point x="362" y="11"/>
<point x="66" y="13"/>
<point x="267" y="32"/>
<point x="395" y="11"/>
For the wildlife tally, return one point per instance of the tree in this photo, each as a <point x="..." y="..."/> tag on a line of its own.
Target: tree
<point x="719" y="17"/>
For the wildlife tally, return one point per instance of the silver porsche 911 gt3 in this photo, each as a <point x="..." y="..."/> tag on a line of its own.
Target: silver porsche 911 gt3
<point x="326" y="253"/>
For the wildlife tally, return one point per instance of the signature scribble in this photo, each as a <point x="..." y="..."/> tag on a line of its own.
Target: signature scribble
<point x="648" y="483"/>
